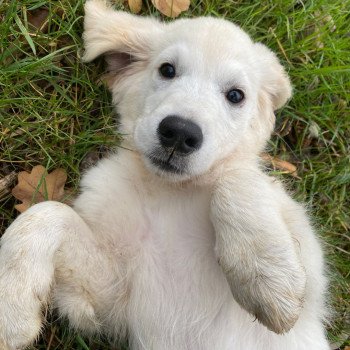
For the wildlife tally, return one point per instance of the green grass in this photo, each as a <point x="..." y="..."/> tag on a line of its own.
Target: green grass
<point x="54" y="110"/>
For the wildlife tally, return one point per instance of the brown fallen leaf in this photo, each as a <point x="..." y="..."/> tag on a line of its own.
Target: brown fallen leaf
<point x="39" y="186"/>
<point x="38" y="19"/>
<point x="280" y="164"/>
<point x="135" y="5"/>
<point x="171" y="8"/>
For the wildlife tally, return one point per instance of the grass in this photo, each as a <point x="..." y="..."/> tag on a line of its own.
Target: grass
<point x="54" y="112"/>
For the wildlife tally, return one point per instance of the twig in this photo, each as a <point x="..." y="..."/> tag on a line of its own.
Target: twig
<point x="6" y="183"/>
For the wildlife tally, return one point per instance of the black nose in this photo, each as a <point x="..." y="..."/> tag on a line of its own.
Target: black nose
<point x="183" y="134"/>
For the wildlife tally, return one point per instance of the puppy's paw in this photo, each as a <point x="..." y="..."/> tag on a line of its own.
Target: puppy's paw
<point x="17" y="329"/>
<point x="20" y="311"/>
<point x="274" y="296"/>
<point x="256" y="250"/>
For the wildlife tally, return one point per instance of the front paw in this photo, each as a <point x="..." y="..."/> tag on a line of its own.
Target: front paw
<point x="17" y="330"/>
<point x="20" y="311"/>
<point x="273" y="293"/>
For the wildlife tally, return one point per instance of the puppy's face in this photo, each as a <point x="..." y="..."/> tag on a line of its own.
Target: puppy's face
<point x="198" y="98"/>
<point x="190" y="93"/>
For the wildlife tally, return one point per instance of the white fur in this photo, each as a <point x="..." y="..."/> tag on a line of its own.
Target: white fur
<point x="174" y="261"/>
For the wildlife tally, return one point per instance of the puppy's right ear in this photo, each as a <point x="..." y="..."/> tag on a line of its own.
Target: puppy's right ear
<point x="123" y="39"/>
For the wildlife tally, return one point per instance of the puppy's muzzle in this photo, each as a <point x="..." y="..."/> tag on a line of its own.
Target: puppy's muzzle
<point x="179" y="135"/>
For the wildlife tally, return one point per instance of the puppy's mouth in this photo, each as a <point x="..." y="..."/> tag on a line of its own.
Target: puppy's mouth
<point x="166" y="165"/>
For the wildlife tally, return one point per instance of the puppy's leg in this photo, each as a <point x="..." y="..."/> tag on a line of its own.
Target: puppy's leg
<point x="27" y="267"/>
<point x="256" y="250"/>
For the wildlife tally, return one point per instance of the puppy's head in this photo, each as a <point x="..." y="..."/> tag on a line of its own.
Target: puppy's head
<point x="190" y="93"/>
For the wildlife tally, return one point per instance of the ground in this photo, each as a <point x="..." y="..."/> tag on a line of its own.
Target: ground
<point x="55" y="111"/>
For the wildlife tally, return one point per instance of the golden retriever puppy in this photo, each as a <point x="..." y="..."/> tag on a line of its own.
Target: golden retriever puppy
<point x="178" y="241"/>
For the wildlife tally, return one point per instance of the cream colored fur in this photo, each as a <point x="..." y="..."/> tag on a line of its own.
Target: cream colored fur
<point x="218" y="257"/>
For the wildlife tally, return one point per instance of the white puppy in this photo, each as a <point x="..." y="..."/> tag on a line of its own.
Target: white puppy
<point x="179" y="241"/>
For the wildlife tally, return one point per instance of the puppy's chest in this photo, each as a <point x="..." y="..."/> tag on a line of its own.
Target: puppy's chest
<point x="177" y="246"/>
<point x="176" y="265"/>
<point x="176" y="224"/>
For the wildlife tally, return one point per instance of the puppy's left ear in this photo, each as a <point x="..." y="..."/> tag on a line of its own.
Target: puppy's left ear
<point x="274" y="80"/>
<point x="124" y="39"/>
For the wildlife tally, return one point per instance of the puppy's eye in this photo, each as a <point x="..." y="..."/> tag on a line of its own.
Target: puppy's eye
<point x="167" y="70"/>
<point x="235" y="96"/>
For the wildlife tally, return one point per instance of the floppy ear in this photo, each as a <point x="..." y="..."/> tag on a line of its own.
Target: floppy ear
<point x="274" y="80"/>
<point x="123" y="39"/>
<point x="275" y="91"/>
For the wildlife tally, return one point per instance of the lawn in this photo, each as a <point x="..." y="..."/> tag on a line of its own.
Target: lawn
<point x="55" y="111"/>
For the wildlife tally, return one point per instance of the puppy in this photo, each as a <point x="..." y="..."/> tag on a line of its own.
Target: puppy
<point x="178" y="241"/>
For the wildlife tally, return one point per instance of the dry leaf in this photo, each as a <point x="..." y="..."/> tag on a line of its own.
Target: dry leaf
<point x="38" y="186"/>
<point x="171" y="8"/>
<point x="135" y="5"/>
<point x="280" y="164"/>
<point x="38" y="19"/>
